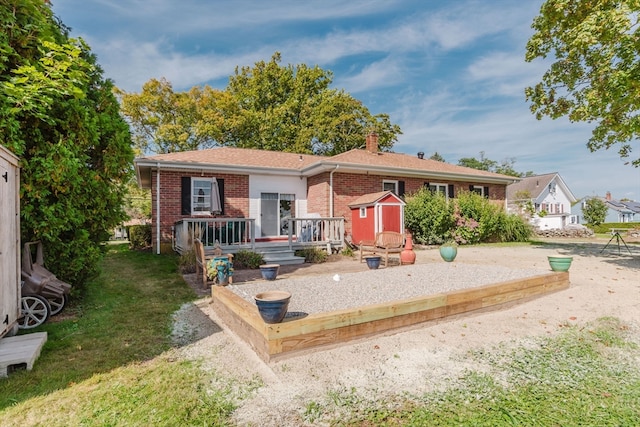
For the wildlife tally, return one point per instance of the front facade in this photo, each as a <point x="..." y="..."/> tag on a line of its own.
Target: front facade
<point x="270" y="187"/>
<point x="547" y="198"/>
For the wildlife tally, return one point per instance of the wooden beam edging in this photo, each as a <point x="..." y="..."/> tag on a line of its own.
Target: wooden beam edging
<point x="269" y="340"/>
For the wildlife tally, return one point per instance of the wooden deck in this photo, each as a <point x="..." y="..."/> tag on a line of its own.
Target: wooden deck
<point x="276" y="341"/>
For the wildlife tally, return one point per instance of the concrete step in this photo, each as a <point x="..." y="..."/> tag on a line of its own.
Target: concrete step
<point x="20" y="352"/>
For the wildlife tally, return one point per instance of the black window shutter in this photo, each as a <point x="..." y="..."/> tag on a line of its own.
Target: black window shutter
<point x="471" y="188"/>
<point x="221" y="192"/>
<point x="426" y="184"/>
<point x="451" y="191"/>
<point x="486" y="192"/>
<point x="401" y="188"/>
<point x="186" y="195"/>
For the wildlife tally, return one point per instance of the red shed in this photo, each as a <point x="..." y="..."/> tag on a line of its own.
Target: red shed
<point x="371" y="213"/>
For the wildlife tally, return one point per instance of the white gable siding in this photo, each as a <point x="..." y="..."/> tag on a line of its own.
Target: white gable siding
<point x="557" y="206"/>
<point x="276" y="184"/>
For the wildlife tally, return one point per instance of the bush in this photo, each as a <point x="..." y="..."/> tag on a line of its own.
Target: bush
<point x="187" y="262"/>
<point x="469" y="219"/>
<point x="429" y="217"/>
<point x="514" y="228"/>
<point x="140" y="236"/>
<point x="247" y="259"/>
<point x="313" y="255"/>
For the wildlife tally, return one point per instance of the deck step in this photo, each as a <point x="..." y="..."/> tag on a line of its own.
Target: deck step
<point x="282" y="257"/>
<point x="20" y="352"/>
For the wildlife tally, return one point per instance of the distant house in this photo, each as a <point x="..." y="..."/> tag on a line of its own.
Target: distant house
<point x="270" y="189"/>
<point x="617" y="210"/>
<point x="547" y="196"/>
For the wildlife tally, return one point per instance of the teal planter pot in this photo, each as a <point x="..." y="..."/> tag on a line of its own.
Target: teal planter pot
<point x="560" y="263"/>
<point x="273" y="305"/>
<point x="448" y="252"/>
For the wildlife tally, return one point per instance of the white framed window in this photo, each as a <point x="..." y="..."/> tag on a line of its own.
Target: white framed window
<point x="388" y="185"/>
<point x="478" y="189"/>
<point x="436" y="187"/>
<point x="363" y="212"/>
<point x="205" y="197"/>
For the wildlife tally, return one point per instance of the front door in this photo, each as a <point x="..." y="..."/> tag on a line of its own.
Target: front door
<point x="269" y="214"/>
<point x="275" y="209"/>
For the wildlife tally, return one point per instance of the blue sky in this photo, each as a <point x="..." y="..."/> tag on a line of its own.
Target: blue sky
<point x="451" y="73"/>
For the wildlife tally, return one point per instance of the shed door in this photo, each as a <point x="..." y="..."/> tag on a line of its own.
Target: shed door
<point x="390" y="218"/>
<point x="9" y="252"/>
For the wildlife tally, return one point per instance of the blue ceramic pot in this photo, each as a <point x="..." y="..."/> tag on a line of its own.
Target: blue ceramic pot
<point x="373" y="262"/>
<point x="269" y="271"/>
<point x="273" y="305"/>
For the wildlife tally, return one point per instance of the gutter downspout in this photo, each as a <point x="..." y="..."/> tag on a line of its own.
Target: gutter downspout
<point x="331" y="191"/>
<point x="158" y="210"/>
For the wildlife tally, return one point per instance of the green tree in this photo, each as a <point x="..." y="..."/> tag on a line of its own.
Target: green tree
<point x="267" y="106"/>
<point x="436" y="156"/>
<point x="594" y="211"/>
<point x="595" y="76"/>
<point x="164" y="121"/>
<point x="61" y="118"/>
<point x="504" y="168"/>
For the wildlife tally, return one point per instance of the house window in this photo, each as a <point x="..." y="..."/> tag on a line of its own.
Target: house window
<point x="201" y="196"/>
<point x="478" y="189"/>
<point x="388" y="185"/>
<point x="363" y="212"/>
<point x="436" y="187"/>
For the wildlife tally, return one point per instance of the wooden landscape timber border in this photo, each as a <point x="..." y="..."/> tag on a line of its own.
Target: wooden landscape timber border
<point x="276" y="341"/>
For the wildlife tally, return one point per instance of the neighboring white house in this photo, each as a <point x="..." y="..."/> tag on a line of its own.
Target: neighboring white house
<point x="617" y="210"/>
<point x="547" y="196"/>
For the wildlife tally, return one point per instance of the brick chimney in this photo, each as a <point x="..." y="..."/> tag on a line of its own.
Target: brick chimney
<point x="608" y="196"/>
<point x="372" y="142"/>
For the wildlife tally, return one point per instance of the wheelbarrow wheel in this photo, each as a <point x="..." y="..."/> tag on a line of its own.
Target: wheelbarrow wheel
<point x="58" y="303"/>
<point x="35" y="310"/>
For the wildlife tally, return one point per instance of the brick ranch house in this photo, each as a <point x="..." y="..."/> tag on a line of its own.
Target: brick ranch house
<point x="268" y="187"/>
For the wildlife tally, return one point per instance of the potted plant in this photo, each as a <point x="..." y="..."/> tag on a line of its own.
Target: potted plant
<point x="220" y="270"/>
<point x="448" y="250"/>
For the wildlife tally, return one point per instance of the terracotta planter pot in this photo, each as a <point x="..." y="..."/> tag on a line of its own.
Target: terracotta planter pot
<point x="273" y="305"/>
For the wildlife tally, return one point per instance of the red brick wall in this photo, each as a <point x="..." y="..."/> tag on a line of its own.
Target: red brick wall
<point x="347" y="188"/>
<point x="236" y="199"/>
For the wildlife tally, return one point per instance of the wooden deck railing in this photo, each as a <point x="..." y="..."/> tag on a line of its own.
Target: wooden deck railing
<point x="234" y="234"/>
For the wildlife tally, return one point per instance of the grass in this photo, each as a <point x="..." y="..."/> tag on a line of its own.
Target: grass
<point x="584" y="376"/>
<point x="110" y="363"/>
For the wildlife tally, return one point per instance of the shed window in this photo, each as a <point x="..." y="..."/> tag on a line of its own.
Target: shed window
<point x="363" y="212"/>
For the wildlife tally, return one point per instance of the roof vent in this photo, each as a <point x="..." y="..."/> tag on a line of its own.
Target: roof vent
<point x="420" y="154"/>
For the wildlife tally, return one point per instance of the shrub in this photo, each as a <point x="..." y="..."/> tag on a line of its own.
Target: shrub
<point x="140" y="236"/>
<point x="313" y="255"/>
<point x="514" y="228"/>
<point x="247" y="259"/>
<point x="429" y="217"/>
<point x="187" y="262"/>
<point x="347" y="251"/>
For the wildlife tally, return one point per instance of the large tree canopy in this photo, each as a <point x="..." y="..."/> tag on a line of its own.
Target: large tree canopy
<point x="59" y="116"/>
<point x="267" y="106"/>
<point x="596" y="73"/>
